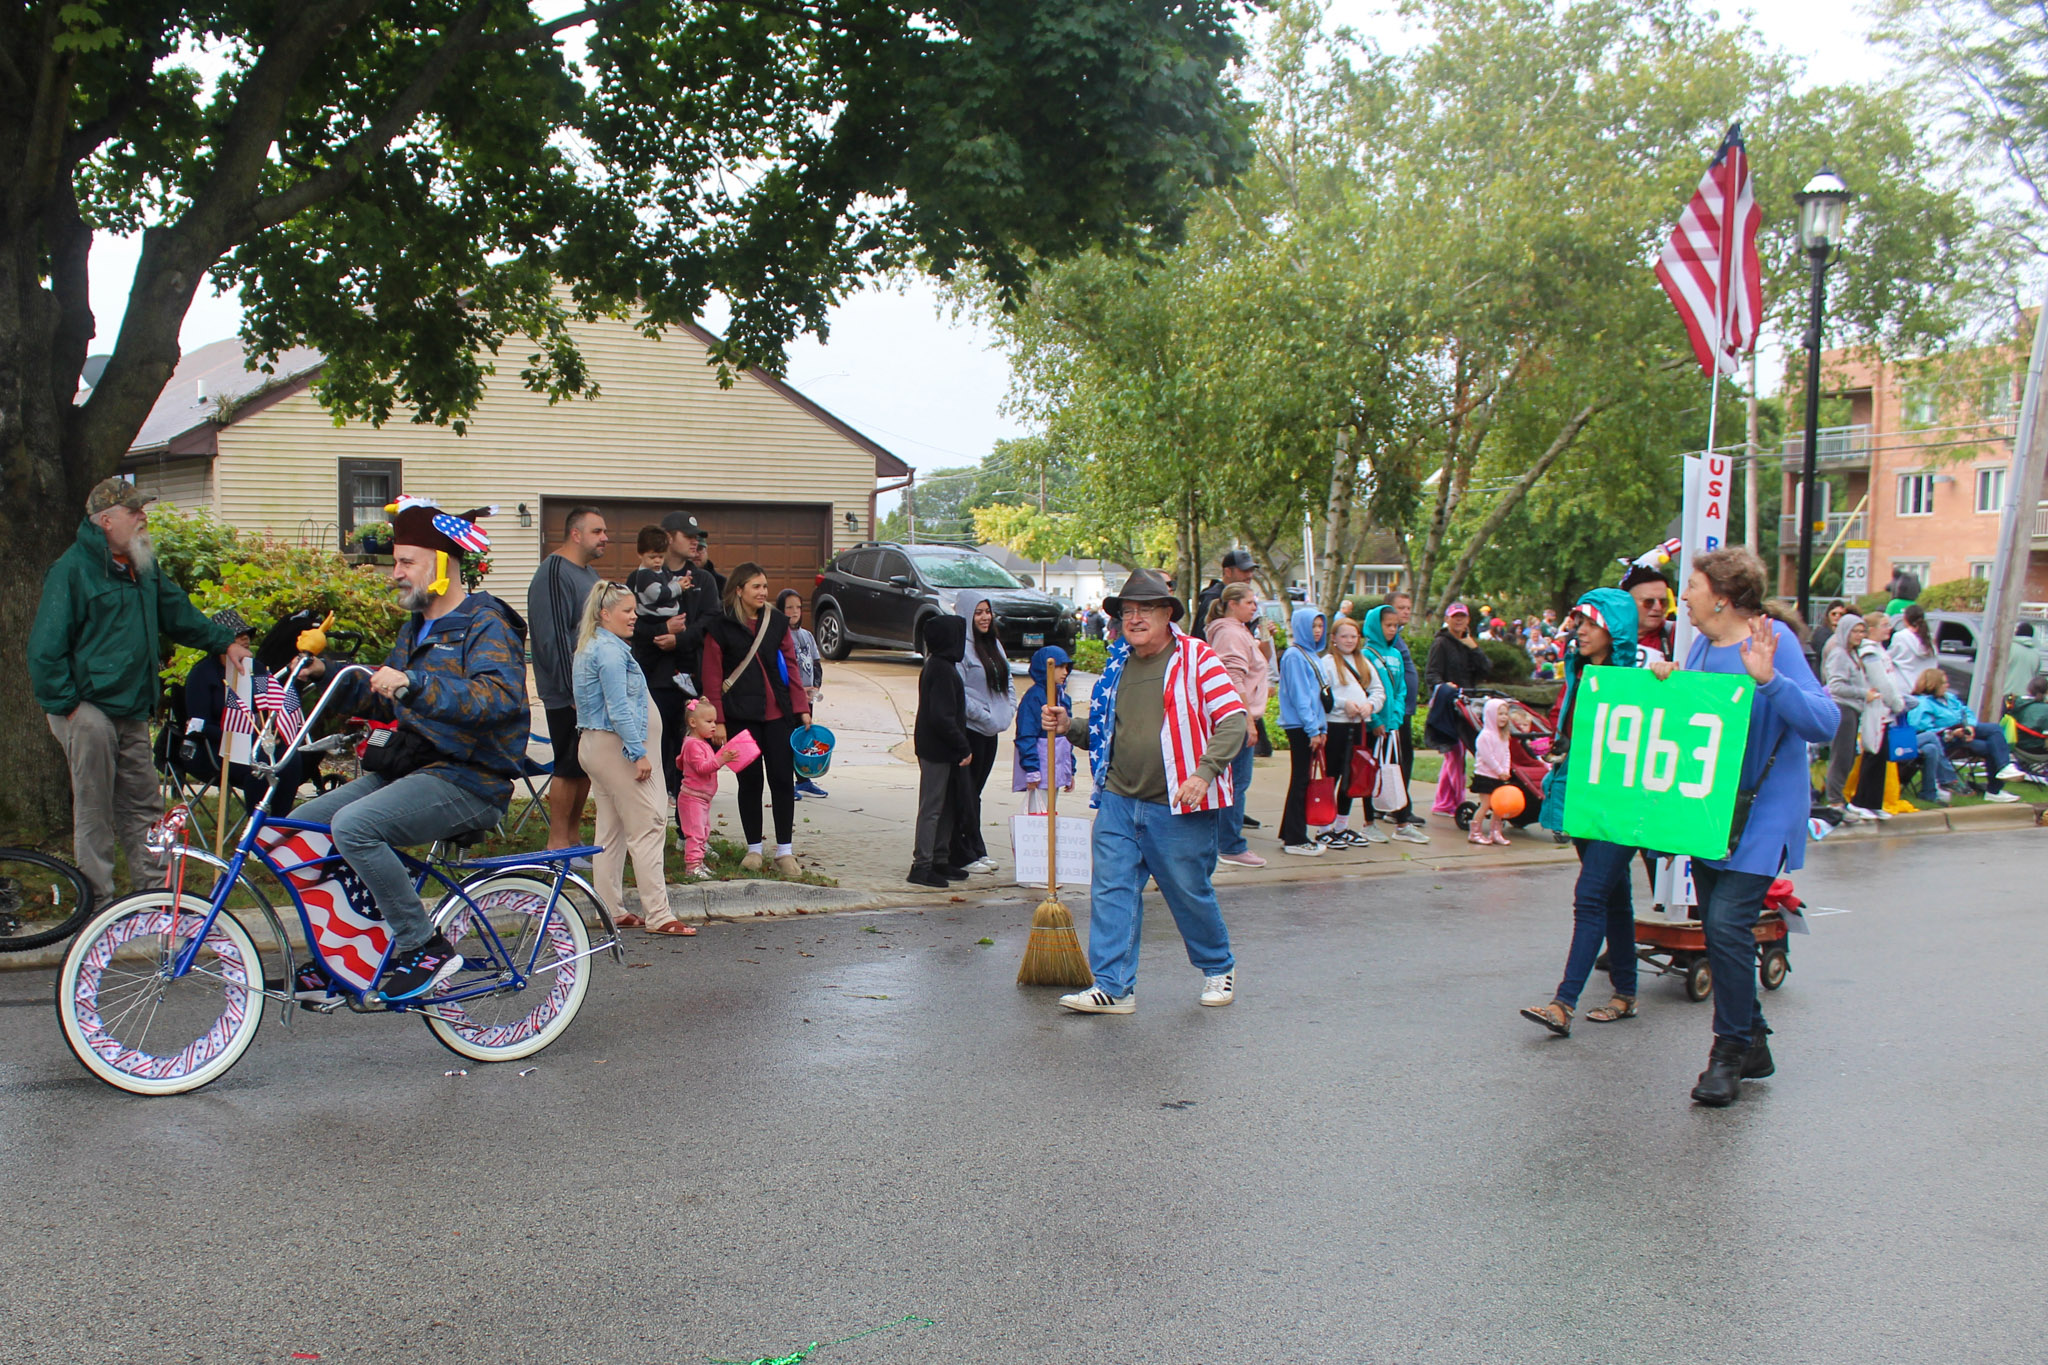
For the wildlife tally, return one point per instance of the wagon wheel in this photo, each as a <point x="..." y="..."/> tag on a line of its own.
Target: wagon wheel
<point x="1771" y="971"/>
<point x="1699" y="979"/>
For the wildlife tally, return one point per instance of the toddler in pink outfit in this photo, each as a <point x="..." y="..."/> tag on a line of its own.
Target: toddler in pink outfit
<point x="699" y="763"/>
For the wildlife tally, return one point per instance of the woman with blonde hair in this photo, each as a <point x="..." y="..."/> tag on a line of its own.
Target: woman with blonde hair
<point x="1356" y="696"/>
<point x="618" y="733"/>
<point x="1940" y="718"/>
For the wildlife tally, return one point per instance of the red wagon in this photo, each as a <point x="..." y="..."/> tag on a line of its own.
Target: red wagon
<point x="1679" y="947"/>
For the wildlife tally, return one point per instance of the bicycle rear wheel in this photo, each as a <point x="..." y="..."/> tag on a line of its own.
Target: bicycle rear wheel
<point x="43" y="900"/>
<point x="140" y="1029"/>
<point x="510" y="1022"/>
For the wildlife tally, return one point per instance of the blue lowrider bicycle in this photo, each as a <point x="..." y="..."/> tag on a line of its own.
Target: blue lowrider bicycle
<point x="163" y="990"/>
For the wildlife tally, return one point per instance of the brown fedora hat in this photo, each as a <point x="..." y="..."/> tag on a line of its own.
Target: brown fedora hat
<point x="1143" y="586"/>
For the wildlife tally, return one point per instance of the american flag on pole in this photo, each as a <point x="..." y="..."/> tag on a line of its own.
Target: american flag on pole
<point x="283" y="702"/>
<point x="1710" y="268"/>
<point x="235" y="718"/>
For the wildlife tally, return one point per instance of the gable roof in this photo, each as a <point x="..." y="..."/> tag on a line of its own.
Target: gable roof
<point x="213" y="388"/>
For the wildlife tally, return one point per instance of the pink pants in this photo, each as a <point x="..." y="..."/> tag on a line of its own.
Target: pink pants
<point x="693" y="817"/>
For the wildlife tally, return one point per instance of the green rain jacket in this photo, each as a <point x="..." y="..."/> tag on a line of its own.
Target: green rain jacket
<point x="96" y="633"/>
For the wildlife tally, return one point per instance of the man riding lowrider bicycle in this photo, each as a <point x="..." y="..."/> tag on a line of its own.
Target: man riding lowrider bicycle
<point x="455" y="686"/>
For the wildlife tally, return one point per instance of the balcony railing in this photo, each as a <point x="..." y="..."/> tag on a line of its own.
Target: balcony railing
<point x="1788" y="531"/>
<point x="2041" y="521"/>
<point x="1837" y="447"/>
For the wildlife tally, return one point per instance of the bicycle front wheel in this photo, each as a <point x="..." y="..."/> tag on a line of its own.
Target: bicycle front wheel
<point x="135" y="1025"/>
<point x="546" y="942"/>
<point x="43" y="900"/>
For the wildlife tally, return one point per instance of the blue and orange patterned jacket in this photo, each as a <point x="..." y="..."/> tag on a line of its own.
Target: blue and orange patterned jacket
<point x="468" y="694"/>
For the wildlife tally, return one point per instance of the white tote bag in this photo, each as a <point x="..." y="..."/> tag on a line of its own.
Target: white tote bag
<point x="1390" y="789"/>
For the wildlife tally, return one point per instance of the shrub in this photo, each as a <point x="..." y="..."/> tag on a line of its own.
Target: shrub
<point x="191" y="547"/>
<point x="1090" y="656"/>
<point x="1871" y="601"/>
<point x="1507" y="662"/>
<point x="1957" y="594"/>
<point x="266" y="582"/>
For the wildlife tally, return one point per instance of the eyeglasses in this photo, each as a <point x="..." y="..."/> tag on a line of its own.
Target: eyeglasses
<point x="1142" y="611"/>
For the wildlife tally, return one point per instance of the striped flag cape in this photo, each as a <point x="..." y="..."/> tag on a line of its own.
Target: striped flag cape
<point x="1710" y="268"/>
<point x="282" y="702"/>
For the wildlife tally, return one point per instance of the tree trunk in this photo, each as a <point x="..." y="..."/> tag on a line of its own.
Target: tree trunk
<point x="1512" y="498"/>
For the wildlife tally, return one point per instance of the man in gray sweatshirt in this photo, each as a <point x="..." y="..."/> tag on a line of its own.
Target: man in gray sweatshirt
<point x="554" y="609"/>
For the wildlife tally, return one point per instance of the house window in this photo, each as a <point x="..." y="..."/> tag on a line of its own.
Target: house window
<point x="367" y="487"/>
<point x="1921" y="569"/>
<point x="1922" y="404"/>
<point x="1916" y="495"/>
<point x="1980" y="569"/>
<point x="1991" y="488"/>
<point x="1994" y="398"/>
<point x="1376" y="582"/>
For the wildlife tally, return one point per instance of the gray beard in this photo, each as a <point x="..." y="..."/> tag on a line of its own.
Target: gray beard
<point x="141" y="552"/>
<point x="414" y="599"/>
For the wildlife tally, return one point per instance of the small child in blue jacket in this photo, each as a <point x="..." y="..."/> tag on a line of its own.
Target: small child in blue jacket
<point x="1049" y="669"/>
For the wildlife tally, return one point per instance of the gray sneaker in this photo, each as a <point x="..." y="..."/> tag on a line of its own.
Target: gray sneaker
<point x="1412" y="834"/>
<point x="1095" y="1000"/>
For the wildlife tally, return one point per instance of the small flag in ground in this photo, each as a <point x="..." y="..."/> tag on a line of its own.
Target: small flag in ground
<point x="283" y="702"/>
<point x="1710" y="267"/>
<point x="235" y="718"/>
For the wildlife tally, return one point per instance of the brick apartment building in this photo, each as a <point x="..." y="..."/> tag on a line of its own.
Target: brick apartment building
<point x="1917" y="476"/>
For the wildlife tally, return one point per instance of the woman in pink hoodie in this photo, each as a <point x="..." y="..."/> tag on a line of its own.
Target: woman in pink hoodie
<point x="1229" y="629"/>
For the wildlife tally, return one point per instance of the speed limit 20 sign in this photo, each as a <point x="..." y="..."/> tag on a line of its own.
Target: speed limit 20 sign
<point x="1654" y="764"/>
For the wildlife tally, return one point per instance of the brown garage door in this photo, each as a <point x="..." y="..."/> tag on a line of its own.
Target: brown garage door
<point x="791" y="541"/>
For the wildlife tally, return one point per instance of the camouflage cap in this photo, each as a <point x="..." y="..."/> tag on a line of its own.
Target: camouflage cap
<point x="116" y="492"/>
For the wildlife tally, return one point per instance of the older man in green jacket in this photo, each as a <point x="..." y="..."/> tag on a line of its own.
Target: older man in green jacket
<point x="93" y="657"/>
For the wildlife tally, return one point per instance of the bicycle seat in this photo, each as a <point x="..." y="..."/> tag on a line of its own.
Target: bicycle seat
<point x="468" y="838"/>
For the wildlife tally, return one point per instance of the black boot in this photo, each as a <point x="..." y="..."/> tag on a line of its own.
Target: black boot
<point x="1721" y="1082"/>
<point x="1757" y="1063"/>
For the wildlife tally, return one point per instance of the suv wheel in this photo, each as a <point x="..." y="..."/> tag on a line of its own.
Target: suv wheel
<point x="832" y="635"/>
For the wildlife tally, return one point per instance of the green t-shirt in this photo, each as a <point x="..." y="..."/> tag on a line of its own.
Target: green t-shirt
<point x="1137" y="763"/>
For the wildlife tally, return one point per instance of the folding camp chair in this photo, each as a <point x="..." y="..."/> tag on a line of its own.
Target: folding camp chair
<point x="531" y="768"/>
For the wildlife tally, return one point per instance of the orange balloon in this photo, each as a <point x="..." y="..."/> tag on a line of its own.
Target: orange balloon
<point x="1507" y="802"/>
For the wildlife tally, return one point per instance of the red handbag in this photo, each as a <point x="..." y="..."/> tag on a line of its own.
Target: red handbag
<point x="1364" y="775"/>
<point x="1320" y="807"/>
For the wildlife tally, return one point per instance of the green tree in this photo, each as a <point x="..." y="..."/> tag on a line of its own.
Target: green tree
<point x="414" y="189"/>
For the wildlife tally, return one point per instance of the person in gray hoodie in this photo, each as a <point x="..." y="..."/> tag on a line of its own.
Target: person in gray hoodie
<point x="985" y="676"/>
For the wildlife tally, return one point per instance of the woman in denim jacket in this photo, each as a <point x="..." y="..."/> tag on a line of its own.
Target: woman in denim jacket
<point x="618" y="731"/>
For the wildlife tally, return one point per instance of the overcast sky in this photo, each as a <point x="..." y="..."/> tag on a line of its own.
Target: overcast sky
<point x="931" y="390"/>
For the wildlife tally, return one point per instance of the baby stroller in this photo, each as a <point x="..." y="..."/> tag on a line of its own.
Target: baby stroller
<point x="1679" y="947"/>
<point x="1529" y="739"/>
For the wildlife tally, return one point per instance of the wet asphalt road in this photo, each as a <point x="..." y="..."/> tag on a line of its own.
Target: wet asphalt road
<point x="792" y="1131"/>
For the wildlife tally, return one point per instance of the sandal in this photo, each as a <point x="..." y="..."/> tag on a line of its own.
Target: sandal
<point x="1620" y="1007"/>
<point x="629" y="921"/>
<point x="675" y="927"/>
<point x="1555" y="1016"/>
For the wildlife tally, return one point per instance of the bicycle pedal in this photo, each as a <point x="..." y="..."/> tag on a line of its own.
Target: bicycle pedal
<point x="324" y="1004"/>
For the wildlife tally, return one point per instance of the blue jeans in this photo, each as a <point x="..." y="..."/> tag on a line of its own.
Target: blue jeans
<point x="370" y="815"/>
<point x="1230" y="820"/>
<point x="1729" y="903"/>
<point x="1135" y="840"/>
<point x="1990" y="742"/>
<point x="1936" y="771"/>
<point x="1601" y="910"/>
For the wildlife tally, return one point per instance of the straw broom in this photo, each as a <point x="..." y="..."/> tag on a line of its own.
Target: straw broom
<point x="1053" y="957"/>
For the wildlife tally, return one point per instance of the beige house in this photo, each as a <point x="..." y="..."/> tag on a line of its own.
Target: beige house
<point x="771" y="476"/>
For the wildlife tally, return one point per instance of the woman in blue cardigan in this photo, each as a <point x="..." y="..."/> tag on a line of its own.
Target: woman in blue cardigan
<point x="1725" y="598"/>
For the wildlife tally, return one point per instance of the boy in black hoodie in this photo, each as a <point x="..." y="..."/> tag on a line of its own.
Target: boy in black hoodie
<point x="943" y="750"/>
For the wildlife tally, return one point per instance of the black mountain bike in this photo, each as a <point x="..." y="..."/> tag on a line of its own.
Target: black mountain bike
<point x="42" y="900"/>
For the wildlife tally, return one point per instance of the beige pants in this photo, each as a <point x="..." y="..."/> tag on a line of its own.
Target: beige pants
<point x="632" y="816"/>
<point x="114" y="795"/>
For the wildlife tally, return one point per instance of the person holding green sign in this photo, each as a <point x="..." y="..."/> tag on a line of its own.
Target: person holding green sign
<point x="1603" y="632"/>
<point x="1788" y="711"/>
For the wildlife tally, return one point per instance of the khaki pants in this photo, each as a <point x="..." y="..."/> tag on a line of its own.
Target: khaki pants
<point x="114" y="794"/>
<point x="632" y="816"/>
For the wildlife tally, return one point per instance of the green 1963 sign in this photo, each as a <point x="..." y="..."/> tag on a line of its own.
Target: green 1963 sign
<point x="1656" y="764"/>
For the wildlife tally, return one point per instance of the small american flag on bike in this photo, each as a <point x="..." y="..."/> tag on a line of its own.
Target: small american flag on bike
<point x="235" y="718"/>
<point x="1710" y="267"/>
<point x="282" y="701"/>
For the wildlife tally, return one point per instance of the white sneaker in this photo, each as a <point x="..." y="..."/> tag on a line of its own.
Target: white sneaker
<point x="1412" y="834"/>
<point x="1244" y="859"/>
<point x="700" y="873"/>
<point x="1880" y="814"/>
<point x="1095" y="1000"/>
<point x="2002" y="798"/>
<point x="1373" y="834"/>
<point x="1220" y="990"/>
<point x="1304" y="850"/>
<point x="1857" y="813"/>
<point x="982" y="865"/>
<point x="2011" y="773"/>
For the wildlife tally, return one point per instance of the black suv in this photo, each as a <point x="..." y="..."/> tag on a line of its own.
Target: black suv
<point x="881" y="594"/>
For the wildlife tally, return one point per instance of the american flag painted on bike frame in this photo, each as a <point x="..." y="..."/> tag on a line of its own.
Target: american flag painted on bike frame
<point x="350" y="933"/>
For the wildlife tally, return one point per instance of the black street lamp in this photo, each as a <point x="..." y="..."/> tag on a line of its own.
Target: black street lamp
<point x="1822" y="206"/>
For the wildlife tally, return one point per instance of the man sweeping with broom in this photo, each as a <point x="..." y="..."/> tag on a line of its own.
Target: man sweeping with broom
<point x="1165" y="725"/>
